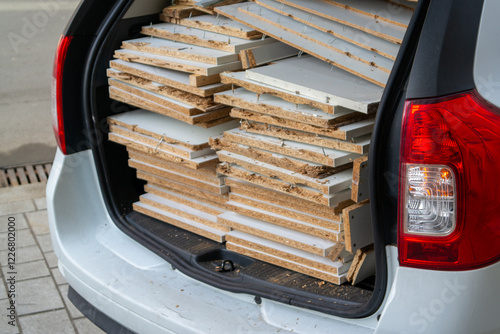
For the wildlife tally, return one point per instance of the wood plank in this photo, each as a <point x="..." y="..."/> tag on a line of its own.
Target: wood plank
<point x="171" y="78"/>
<point x="262" y="55"/>
<point x="182" y="210"/>
<point x="328" y="185"/>
<point x="303" y="167"/>
<point x="3" y="179"/>
<point x="41" y="173"/>
<point x="177" y="64"/>
<point x="239" y="79"/>
<point x="279" y="234"/>
<point x="183" y="188"/>
<point x="336" y="29"/>
<point x="181" y="11"/>
<point x="288" y="253"/>
<point x="203" y="120"/>
<point x="172" y="148"/>
<point x="290" y="223"/>
<point x="348" y="57"/>
<point x="203" y="38"/>
<point x="302" y="151"/>
<point x="313" y="78"/>
<point x="357" y="226"/>
<point x="371" y="64"/>
<point x="197" y="163"/>
<point x="30" y="171"/>
<point x="11" y="176"/>
<point x="358" y="145"/>
<point x="360" y="180"/>
<point x="326" y="276"/>
<point x="196" y="80"/>
<point x="392" y="33"/>
<point x="296" y="213"/>
<point x="209" y="5"/>
<point x="274" y="106"/>
<point x="300" y="191"/>
<point x="277" y="198"/>
<point x="21" y="175"/>
<point x="166" y="174"/>
<point x="170" y="131"/>
<point x="180" y="50"/>
<point x="363" y="265"/>
<point x="220" y="25"/>
<point x="181" y="222"/>
<point x="187" y="101"/>
<point x="205" y="206"/>
<point x="208" y="174"/>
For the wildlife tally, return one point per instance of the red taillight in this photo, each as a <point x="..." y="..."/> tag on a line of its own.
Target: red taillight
<point x="57" y="80"/>
<point x="449" y="197"/>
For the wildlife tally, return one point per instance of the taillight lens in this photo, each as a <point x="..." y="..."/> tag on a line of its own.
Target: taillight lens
<point x="57" y="85"/>
<point x="449" y="211"/>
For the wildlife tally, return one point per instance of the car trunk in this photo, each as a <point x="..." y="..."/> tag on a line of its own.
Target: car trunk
<point x="204" y="259"/>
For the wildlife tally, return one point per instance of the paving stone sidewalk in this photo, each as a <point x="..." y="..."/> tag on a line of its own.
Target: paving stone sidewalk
<point x="40" y="297"/>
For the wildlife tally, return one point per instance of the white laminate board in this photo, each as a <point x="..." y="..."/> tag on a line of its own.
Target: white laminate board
<point x="177" y="64"/>
<point x="145" y="121"/>
<point x="311" y="77"/>
<point x="181" y="50"/>
<point x="214" y="22"/>
<point x="336" y="29"/>
<point x="267" y="53"/>
<point x="203" y="38"/>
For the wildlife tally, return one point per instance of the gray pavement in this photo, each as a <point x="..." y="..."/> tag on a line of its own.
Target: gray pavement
<point x="40" y="297"/>
<point x="30" y="31"/>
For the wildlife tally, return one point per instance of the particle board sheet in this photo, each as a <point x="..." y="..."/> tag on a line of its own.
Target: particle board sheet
<point x="177" y="64"/>
<point x="299" y="191"/>
<point x="184" y="211"/>
<point x="180" y="50"/>
<point x="262" y="256"/>
<point x="328" y="185"/>
<point x="360" y="180"/>
<point x="307" y="168"/>
<point x="311" y="77"/>
<point x="205" y="161"/>
<point x="313" y="153"/>
<point x="181" y="222"/>
<point x="285" y="200"/>
<point x="217" y="24"/>
<point x="203" y="38"/>
<point x="168" y="130"/>
<point x="358" y="128"/>
<point x="279" y="234"/>
<point x="184" y="98"/>
<point x="335" y="29"/>
<point x="297" y="150"/>
<point x="390" y="32"/>
<point x="205" y="120"/>
<point x="176" y="149"/>
<point x="182" y="188"/>
<point x="290" y="223"/>
<point x="181" y="11"/>
<point x="208" y="174"/>
<point x="284" y="214"/>
<point x="171" y="78"/>
<point x="363" y="265"/>
<point x="262" y="55"/>
<point x="239" y="79"/>
<point x="288" y="253"/>
<point x="192" y="202"/>
<point x="357" y="226"/>
<point x="275" y="106"/>
<point x="365" y="64"/>
<point x="359" y="145"/>
<point x="167" y="174"/>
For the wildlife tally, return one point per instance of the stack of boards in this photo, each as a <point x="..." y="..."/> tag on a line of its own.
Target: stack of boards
<point x="291" y="188"/>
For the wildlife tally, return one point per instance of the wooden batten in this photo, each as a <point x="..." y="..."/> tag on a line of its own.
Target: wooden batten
<point x="181" y="11"/>
<point x="360" y="180"/>
<point x="181" y="222"/>
<point x="197" y="80"/>
<point x="357" y="226"/>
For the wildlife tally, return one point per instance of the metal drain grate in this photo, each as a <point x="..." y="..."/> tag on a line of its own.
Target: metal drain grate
<point x="29" y="174"/>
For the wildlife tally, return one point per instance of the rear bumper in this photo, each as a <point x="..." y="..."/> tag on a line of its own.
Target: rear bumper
<point x="140" y="290"/>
